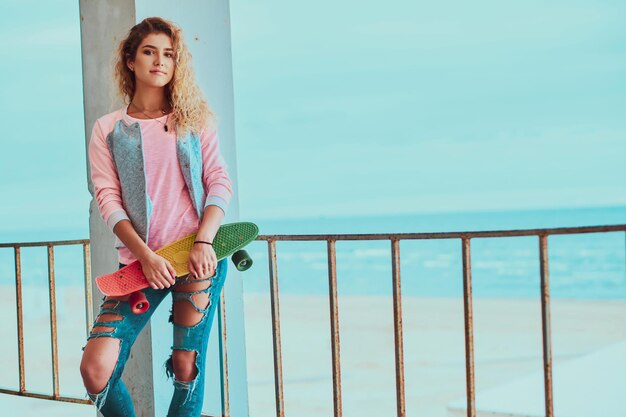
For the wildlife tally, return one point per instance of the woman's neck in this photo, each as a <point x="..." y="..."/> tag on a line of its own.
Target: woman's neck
<point x="149" y="99"/>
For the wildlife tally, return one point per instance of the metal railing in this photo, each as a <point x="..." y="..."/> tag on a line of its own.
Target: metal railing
<point x="55" y="396"/>
<point x="53" y="315"/>
<point x="394" y="239"/>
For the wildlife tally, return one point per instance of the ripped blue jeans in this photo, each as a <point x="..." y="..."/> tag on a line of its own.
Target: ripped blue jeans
<point x="114" y="400"/>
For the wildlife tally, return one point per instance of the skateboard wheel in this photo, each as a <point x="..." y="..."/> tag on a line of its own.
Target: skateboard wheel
<point x="138" y="302"/>
<point x="242" y="260"/>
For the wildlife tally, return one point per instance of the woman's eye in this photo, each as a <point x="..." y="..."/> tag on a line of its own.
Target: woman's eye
<point x="149" y="52"/>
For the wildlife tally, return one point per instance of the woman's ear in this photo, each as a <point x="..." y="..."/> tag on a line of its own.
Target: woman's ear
<point x="130" y="63"/>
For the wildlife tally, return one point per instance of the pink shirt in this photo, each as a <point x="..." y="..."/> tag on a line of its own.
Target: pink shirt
<point x="173" y="214"/>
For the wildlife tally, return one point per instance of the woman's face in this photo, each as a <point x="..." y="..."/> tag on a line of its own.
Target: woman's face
<point x="154" y="62"/>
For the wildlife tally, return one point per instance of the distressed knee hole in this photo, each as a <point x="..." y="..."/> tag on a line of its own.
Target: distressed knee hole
<point x="102" y="329"/>
<point x="104" y="318"/>
<point x="186" y="315"/>
<point x="184" y="364"/>
<point x="116" y="298"/>
<point x="109" y="317"/>
<point x="193" y="286"/>
<point x="201" y="300"/>
<point x="98" y="362"/>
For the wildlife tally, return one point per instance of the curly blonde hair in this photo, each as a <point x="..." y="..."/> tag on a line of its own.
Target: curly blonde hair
<point x="190" y="110"/>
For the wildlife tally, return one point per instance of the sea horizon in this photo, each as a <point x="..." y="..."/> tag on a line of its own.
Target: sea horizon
<point x="401" y="222"/>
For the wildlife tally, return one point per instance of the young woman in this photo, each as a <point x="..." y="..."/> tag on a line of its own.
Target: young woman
<point x="158" y="176"/>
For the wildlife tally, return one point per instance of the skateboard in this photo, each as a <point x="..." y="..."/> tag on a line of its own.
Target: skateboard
<point x="229" y="240"/>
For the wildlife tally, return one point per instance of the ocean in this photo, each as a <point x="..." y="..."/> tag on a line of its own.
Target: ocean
<point x="588" y="266"/>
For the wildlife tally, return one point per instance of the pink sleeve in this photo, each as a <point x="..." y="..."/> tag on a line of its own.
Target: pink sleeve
<point x="215" y="178"/>
<point x="104" y="177"/>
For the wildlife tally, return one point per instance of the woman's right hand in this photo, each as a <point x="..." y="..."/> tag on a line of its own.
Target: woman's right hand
<point x="158" y="271"/>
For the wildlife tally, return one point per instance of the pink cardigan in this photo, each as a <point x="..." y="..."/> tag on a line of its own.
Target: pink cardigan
<point x="173" y="214"/>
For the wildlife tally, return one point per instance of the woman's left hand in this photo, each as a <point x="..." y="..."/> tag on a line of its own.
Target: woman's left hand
<point x="202" y="261"/>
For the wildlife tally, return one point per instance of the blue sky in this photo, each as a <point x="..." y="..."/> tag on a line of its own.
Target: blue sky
<point x="349" y="110"/>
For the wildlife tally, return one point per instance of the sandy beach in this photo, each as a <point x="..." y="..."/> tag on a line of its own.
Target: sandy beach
<point x="507" y="347"/>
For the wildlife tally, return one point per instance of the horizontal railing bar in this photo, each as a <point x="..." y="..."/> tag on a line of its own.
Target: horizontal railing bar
<point x="48" y="243"/>
<point x="45" y="397"/>
<point x="389" y="236"/>
<point x="450" y="235"/>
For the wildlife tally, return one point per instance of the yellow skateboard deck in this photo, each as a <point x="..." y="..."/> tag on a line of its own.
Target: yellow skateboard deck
<point x="230" y="238"/>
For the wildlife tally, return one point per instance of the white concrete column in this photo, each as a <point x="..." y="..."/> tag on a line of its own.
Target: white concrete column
<point x="206" y="26"/>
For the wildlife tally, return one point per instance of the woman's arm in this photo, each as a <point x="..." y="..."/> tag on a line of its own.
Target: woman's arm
<point x="158" y="271"/>
<point x="211" y="221"/>
<point x="217" y="184"/>
<point x="218" y="188"/>
<point x="202" y="259"/>
<point x="106" y="184"/>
